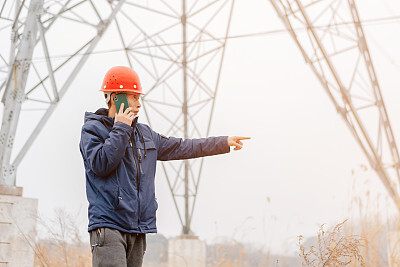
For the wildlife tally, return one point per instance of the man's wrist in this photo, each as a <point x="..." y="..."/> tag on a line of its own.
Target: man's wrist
<point x="121" y="124"/>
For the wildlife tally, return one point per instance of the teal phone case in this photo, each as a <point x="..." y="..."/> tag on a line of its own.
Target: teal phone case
<point x="119" y="99"/>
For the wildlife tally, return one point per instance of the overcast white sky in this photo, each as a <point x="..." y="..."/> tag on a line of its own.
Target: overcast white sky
<point x="293" y="175"/>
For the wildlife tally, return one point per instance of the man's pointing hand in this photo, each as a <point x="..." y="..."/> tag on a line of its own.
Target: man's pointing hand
<point x="235" y="141"/>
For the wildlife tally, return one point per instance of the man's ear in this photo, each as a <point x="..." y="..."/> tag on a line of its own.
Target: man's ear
<point x="112" y="103"/>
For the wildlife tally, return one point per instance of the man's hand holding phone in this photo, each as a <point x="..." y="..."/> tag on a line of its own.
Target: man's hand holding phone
<point x="125" y="117"/>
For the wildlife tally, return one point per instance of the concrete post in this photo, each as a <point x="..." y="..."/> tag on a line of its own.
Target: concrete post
<point x="186" y="250"/>
<point x="17" y="227"/>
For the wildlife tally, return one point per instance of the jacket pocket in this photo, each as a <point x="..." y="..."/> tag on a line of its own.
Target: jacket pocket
<point x="156" y="204"/>
<point x="102" y="235"/>
<point x="97" y="237"/>
<point x="118" y="199"/>
<point x="108" y="190"/>
<point x="147" y="145"/>
<point x="148" y="214"/>
<point x="123" y="200"/>
<point x="147" y="153"/>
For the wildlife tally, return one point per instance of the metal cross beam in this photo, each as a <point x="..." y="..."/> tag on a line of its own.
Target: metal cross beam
<point x="21" y="88"/>
<point x="353" y="87"/>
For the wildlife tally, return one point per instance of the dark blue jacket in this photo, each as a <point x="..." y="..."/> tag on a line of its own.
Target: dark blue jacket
<point x="119" y="159"/>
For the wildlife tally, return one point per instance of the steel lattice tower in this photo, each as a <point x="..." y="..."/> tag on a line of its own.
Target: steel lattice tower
<point x="334" y="34"/>
<point x="38" y="85"/>
<point x="178" y="46"/>
<point x="181" y="59"/>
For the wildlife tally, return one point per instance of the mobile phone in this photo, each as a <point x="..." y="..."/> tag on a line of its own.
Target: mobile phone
<point x="119" y="99"/>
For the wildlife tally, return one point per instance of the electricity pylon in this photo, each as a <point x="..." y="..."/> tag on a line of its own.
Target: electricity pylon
<point x="335" y="47"/>
<point x="180" y="59"/>
<point x="40" y="25"/>
<point x="176" y="46"/>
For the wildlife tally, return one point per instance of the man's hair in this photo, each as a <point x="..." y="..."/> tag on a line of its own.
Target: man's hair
<point x="107" y="96"/>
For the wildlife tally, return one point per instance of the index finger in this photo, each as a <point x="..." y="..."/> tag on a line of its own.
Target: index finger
<point x="121" y="108"/>
<point x="243" y="138"/>
<point x="129" y="109"/>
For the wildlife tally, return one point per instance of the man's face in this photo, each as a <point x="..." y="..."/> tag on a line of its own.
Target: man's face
<point x="133" y="100"/>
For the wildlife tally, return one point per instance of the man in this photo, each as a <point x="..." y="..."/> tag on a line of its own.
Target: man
<point x="120" y="157"/>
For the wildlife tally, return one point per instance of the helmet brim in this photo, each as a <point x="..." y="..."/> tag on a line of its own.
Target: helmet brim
<point x="127" y="90"/>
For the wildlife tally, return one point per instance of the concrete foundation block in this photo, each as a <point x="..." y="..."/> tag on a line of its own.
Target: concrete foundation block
<point x="17" y="229"/>
<point x="187" y="251"/>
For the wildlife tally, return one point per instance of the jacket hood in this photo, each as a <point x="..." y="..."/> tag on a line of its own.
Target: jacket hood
<point x="98" y="115"/>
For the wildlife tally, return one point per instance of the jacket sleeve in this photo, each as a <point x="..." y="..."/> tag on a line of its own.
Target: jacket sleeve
<point x="103" y="156"/>
<point x="172" y="148"/>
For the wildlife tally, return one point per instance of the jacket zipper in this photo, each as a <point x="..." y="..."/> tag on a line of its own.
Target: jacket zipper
<point x="140" y="161"/>
<point x="137" y="180"/>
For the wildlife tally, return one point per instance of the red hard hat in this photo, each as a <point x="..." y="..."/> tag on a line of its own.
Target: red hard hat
<point x="121" y="79"/>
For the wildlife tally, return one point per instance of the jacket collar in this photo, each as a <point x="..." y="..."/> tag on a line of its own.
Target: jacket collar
<point x="102" y="115"/>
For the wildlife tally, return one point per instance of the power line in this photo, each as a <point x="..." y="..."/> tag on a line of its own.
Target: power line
<point x="368" y="22"/>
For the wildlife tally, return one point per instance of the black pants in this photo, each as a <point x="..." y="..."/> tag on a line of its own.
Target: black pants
<point x="111" y="247"/>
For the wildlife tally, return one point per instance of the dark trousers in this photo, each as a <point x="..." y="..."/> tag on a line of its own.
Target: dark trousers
<point x="111" y="247"/>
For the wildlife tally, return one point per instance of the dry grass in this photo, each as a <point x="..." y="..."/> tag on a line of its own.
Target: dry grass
<point x="382" y="235"/>
<point x="366" y="239"/>
<point x="374" y="217"/>
<point x="394" y="247"/>
<point x="335" y="248"/>
<point x="51" y="254"/>
<point x="65" y="247"/>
